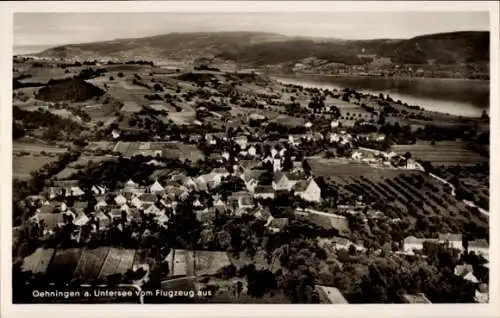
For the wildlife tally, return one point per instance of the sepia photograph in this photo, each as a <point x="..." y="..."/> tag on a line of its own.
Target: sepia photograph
<point x="335" y="157"/>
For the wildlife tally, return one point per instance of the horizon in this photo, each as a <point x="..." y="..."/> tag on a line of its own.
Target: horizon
<point x="55" y="29"/>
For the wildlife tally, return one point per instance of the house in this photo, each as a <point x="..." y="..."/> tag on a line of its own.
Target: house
<point x="282" y="182"/>
<point x="74" y="191"/>
<point x="264" y="192"/>
<point x="308" y="190"/>
<point x="411" y="244"/>
<point x="262" y="214"/>
<point x="81" y="219"/>
<point x="252" y="151"/>
<point x="48" y="208"/>
<point x="481" y="294"/>
<point x="136" y="202"/>
<point x="162" y="220"/>
<point x="221" y="172"/>
<point x="479" y="247"/>
<point x="102" y="220"/>
<point x="205" y="216"/>
<point x="419" y="298"/>
<point x="219" y="205"/>
<point x="120" y="200"/>
<point x="240" y="200"/>
<point x="338" y="243"/>
<point x="466" y="272"/>
<point x="148" y="198"/>
<point x="209" y="180"/>
<point x="249" y="176"/>
<point x="131" y="187"/>
<point x="277" y="224"/>
<point x="356" y="155"/>
<point x="411" y="164"/>
<point x="115" y="134"/>
<point x="326" y="220"/>
<point x="98" y="190"/>
<point x="152" y="209"/>
<point x="241" y="141"/>
<point x="330" y="295"/>
<point x="50" y="220"/>
<point x="156" y="187"/>
<point x="452" y="240"/>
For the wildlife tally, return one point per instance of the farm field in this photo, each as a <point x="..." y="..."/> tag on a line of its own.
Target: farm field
<point x="65" y="261"/>
<point x="39" y="261"/>
<point x="24" y="165"/>
<point x="117" y="261"/>
<point x="91" y="263"/>
<point x="36" y="147"/>
<point x="442" y="153"/>
<point x="208" y="263"/>
<point x="343" y="167"/>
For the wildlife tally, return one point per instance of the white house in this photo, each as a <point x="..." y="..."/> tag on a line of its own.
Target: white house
<point x="308" y="190"/>
<point x="252" y="151"/>
<point x="156" y="187"/>
<point x="120" y="200"/>
<point x="100" y="204"/>
<point x="412" y="244"/>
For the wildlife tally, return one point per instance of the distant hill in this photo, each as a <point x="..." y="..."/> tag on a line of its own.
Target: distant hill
<point x="256" y="49"/>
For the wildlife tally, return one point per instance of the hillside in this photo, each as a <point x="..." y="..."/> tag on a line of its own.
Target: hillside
<point x="69" y="90"/>
<point x="261" y="48"/>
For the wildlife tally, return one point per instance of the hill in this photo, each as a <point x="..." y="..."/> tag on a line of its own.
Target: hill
<point x="257" y="49"/>
<point x="74" y="89"/>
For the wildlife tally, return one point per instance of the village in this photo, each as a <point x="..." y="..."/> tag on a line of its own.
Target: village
<point x="232" y="187"/>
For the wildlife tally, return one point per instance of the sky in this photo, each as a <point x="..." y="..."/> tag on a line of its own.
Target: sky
<point x="49" y="29"/>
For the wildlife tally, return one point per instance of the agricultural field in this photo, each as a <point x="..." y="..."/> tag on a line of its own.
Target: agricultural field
<point x="65" y="261"/>
<point x="344" y="167"/>
<point x="208" y="262"/>
<point x="39" y="261"/>
<point x="442" y="153"/>
<point x="412" y="195"/>
<point x="35" y="146"/>
<point x="117" y="261"/>
<point x="91" y="263"/>
<point x="23" y="166"/>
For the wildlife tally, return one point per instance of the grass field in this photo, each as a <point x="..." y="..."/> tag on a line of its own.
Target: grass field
<point x="442" y="153"/>
<point x="24" y="165"/>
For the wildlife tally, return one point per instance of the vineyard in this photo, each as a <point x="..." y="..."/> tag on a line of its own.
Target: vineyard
<point x="409" y="195"/>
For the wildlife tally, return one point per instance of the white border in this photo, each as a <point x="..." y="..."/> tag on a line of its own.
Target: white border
<point x="460" y="310"/>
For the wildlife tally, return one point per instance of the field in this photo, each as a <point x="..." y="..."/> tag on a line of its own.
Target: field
<point x="24" y="165"/>
<point x="39" y="261"/>
<point x="442" y="153"/>
<point x="117" y="261"/>
<point x="91" y="263"/>
<point x="208" y="263"/>
<point x="36" y="147"/>
<point x="344" y="167"/>
<point x="411" y="195"/>
<point x="65" y="261"/>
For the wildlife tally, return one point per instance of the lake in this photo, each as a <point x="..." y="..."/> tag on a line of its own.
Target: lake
<point x="454" y="96"/>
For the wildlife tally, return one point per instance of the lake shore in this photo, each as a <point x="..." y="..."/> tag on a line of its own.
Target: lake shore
<point x="466" y="98"/>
